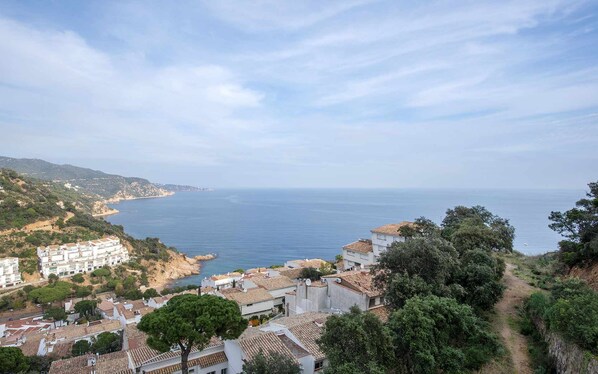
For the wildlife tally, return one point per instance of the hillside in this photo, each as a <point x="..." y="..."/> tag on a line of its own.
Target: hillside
<point x="34" y="213"/>
<point x="93" y="183"/>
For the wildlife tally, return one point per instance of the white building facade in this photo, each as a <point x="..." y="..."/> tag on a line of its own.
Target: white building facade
<point x="9" y="272"/>
<point x="365" y="252"/>
<point x="73" y="258"/>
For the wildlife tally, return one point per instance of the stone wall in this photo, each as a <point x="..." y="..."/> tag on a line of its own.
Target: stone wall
<point x="568" y="357"/>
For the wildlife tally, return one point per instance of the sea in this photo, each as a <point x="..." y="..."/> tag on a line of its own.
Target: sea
<point x="261" y="227"/>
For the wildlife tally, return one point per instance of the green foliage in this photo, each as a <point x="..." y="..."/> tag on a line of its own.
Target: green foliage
<point x="106" y="342"/>
<point x="310" y="273"/>
<point x="83" y="291"/>
<point x="480" y="276"/>
<point x="55" y="314"/>
<point x="12" y="360"/>
<point x="271" y="363"/>
<point x="39" y="364"/>
<point x="133" y="294"/>
<point x="580" y="228"/>
<point x="86" y="307"/>
<point x="357" y="339"/>
<point x="191" y="321"/>
<point x="434" y="334"/>
<point x="150" y="292"/>
<point x="78" y="278"/>
<point x="80" y="348"/>
<point x="57" y="291"/>
<point x="239" y="270"/>
<point x="101" y="272"/>
<point x="477" y="228"/>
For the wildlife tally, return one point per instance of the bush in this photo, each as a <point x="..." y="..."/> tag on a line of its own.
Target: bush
<point x="78" y="278"/>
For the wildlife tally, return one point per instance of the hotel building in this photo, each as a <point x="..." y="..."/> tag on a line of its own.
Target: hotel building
<point x="72" y="258"/>
<point x="9" y="272"/>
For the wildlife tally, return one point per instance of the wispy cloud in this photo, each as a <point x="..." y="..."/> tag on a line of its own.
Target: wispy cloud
<point x="354" y="93"/>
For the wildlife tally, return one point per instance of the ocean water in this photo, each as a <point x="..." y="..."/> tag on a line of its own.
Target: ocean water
<point x="261" y="227"/>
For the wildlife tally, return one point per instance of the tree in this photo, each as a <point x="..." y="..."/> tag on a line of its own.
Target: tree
<point x="150" y="292"/>
<point x="52" y="278"/>
<point x="477" y="228"/>
<point x="271" y="363"/>
<point x="78" y="278"/>
<point x="80" y="348"/>
<point x="421" y="265"/>
<point x="357" y="339"/>
<point x="106" y="342"/>
<point x="55" y="314"/>
<point x="310" y="273"/>
<point x="435" y="334"/>
<point x="54" y="292"/>
<point x="421" y="227"/>
<point x="480" y="275"/>
<point x="12" y="360"/>
<point x="191" y="321"/>
<point x="86" y="307"/>
<point x="580" y="228"/>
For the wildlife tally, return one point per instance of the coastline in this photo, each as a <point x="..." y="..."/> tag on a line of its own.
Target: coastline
<point x="180" y="266"/>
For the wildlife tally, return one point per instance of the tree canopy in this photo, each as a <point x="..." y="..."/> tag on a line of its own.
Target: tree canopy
<point x="86" y="307"/>
<point x="579" y="226"/>
<point x="435" y="334"/>
<point x="106" y="342"/>
<point x="12" y="360"/>
<point x="357" y="341"/>
<point x="191" y="321"/>
<point x="271" y="363"/>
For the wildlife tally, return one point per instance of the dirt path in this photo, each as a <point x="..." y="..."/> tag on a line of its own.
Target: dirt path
<point x="516" y="291"/>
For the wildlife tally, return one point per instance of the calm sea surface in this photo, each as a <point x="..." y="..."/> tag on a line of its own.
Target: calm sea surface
<point x="261" y="227"/>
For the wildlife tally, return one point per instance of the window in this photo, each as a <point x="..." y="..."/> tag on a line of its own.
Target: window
<point x="380" y="237"/>
<point x="318" y="365"/>
<point x="212" y="372"/>
<point x="223" y="371"/>
<point x="191" y="370"/>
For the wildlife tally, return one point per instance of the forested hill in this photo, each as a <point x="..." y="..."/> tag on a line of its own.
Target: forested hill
<point x="34" y="213"/>
<point x="93" y="183"/>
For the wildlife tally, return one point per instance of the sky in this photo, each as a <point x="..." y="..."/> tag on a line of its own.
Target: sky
<point x="355" y="93"/>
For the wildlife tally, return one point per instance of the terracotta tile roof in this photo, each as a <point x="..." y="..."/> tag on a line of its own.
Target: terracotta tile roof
<point x="135" y="337"/>
<point x="251" y="296"/>
<point x="381" y="311"/>
<point x="116" y="362"/>
<point x="142" y="354"/>
<point x="308" y="333"/>
<point x="361" y="246"/>
<point x="147" y="355"/>
<point x="301" y="319"/>
<point x="297" y="350"/>
<point x="357" y="280"/>
<point x="309" y="263"/>
<point x="391" y="228"/>
<point x="265" y="343"/>
<point x="226" y="276"/>
<point x="31" y="345"/>
<point x="62" y="349"/>
<point x="273" y="283"/>
<point x="79" y="331"/>
<point x="203" y="362"/>
<point x="291" y="273"/>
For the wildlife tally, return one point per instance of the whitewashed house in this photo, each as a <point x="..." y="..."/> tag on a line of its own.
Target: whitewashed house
<point x="277" y="286"/>
<point x="251" y="301"/>
<point x="365" y="252"/>
<point x="222" y="281"/>
<point x="9" y="272"/>
<point x="72" y="258"/>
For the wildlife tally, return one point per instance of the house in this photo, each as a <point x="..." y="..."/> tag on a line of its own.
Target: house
<point x="251" y="301"/>
<point x="364" y="253"/>
<point x="72" y="258"/>
<point x="294" y="337"/>
<point x="210" y="360"/>
<point x="132" y="311"/>
<point x="222" y="280"/>
<point x="276" y="286"/>
<point x="307" y="263"/>
<point x="335" y="293"/>
<point x="62" y="338"/>
<point x="110" y="363"/>
<point x="9" y="272"/>
<point x="353" y="288"/>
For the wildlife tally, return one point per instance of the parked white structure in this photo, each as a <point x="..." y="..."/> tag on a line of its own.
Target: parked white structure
<point x="335" y="293"/>
<point x="251" y="301"/>
<point x="365" y="253"/>
<point x="222" y="280"/>
<point x="9" y="272"/>
<point x="72" y="258"/>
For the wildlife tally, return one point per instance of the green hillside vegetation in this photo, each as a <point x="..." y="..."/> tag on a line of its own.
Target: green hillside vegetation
<point x="25" y="201"/>
<point x="93" y="183"/>
<point x="441" y="285"/>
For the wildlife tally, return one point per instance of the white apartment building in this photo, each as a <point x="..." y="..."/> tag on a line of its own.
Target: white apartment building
<point x="9" y="272"/>
<point x="222" y="281"/>
<point x="365" y="252"/>
<point x="72" y="258"/>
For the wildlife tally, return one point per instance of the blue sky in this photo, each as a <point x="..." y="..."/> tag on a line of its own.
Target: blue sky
<point x="306" y="94"/>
